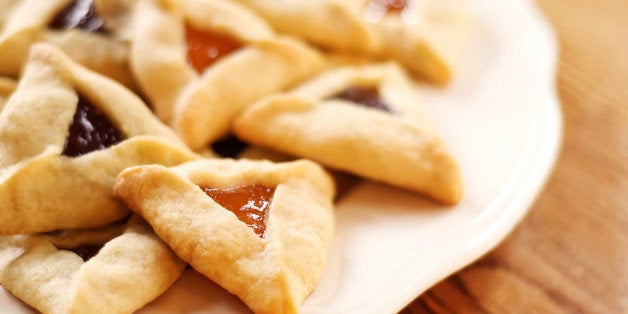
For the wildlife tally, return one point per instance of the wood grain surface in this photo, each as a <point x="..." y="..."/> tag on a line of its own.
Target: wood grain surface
<point x="570" y="254"/>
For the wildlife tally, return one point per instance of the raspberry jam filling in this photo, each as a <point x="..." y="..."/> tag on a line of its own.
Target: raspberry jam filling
<point x="250" y="203"/>
<point x="391" y="6"/>
<point x="86" y="252"/>
<point x="204" y="48"/>
<point x="367" y="96"/>
<point x="90" y="130"/>
<point x="375" y="10"/>
<point x="79" y="14"/>
<point x="229" y="146"/>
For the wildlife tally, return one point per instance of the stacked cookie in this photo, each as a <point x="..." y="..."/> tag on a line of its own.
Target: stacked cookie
<point x="125" y="128"/>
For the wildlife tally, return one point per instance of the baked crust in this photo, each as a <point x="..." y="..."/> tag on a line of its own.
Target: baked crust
<point x="334" y="24"/>
<point x="6" y="8"/>
<point x="26" y="22"/>
<point x="398" y="148"/>
<point x="428" y="37"/>
<point x="7" y="86"/>
<point x="43" y="190"/>
<point x="132" y="268"/>
<point x="273" y="274"/>
<point x="200" y="107"/>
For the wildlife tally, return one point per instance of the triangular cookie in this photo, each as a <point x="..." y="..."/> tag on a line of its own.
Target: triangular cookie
<point x="427" y="36"/>
<point x="200" y="62"/>
<point x="93" y="32"/>
<point x="65" y="134"/>
<point x="334" y="24"/>
<point x="113" y="269"/>
<point x="389" y="142"/>
<point x="289" y="205"/>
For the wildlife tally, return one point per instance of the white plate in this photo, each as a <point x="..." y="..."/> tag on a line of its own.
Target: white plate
<point x="501" y="119"/>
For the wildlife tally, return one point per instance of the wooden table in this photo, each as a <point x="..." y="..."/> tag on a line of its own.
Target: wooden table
<point x="570" y="254"/>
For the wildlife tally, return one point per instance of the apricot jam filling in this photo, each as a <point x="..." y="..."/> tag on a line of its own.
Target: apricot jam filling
<point x="90" y="130"/>
<point x="250" y="203"/>
<point x="204" y="47"/>
<point x="367" y="96"/>
<point x="79" y="14"/>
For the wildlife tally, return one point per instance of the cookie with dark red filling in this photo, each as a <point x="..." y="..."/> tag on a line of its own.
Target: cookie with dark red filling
<point x="65" y="134"/>
<point x="112" y="269"/>
<point x="93" y="32"/>
<point x="426" y="36"/>
<point x="366" y="120"/>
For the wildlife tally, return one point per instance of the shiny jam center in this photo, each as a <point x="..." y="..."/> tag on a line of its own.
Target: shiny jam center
<point x="250" y="203"/>
<point x="79" y="14"/>
<point x="90" y="130"/>
<point x="204" y="48"/>
<point x="229" y="146"/>
<point x="367" y="96"/>
<point x="86" y="252"/>
<point x="390" y="6"/>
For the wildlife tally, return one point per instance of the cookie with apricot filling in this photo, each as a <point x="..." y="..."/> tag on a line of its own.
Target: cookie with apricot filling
<point x="259" y="229"/>
<point x="364" y="120"/>
<point x="200" y="62"/>
<point x="112" y="269"/>
<point x="65" y="134"/>
<point x="93" y="32"/>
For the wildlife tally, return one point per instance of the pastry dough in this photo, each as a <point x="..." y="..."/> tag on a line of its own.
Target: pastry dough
<point x="271" y="274"/>
<point x="200" y="107"/>
<point x="398" y="148"/>
<point x="43" y="189"/>
<point x="26" y="22"/>
<point x="334" y="24"/>
<point x="6" y="8"/>
<point x="428" y="36"/>
<point x="132" y="268"/>
<point x="7" y="86"/>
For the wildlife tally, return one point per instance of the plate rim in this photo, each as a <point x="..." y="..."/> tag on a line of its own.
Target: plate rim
<point x="516" y="205"/>
<point x="520" y="202"/>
